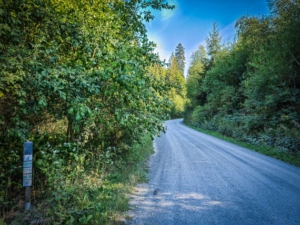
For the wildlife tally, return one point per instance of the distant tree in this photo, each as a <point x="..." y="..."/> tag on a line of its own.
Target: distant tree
<point x="198" y="56"/>
<point x="196" y="73"/>
<point x="213" y="43"/>
<point x="180" y="58"/>
<point x="174" y="76"/>
<point x="177" y="94"/>
<point x="171" y="58"/>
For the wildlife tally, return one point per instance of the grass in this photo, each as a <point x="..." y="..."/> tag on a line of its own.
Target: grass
<point x="266" y="150"/>
<point x="133" y="171"/>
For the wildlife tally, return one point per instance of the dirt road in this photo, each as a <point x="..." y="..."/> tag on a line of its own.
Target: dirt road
<point x="198" y="179"/>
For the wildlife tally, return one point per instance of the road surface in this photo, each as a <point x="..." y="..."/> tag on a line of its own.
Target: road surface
<point x="198" y="179"/>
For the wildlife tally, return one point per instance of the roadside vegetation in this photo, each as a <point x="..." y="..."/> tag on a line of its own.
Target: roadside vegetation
<point x="173" y="76"/>
<point x="76" y="80"/>
<point x="249" y="89"/>
<point x="87" y="193"/>
<point x="80" y="79"/>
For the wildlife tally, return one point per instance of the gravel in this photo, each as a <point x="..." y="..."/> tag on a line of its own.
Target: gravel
<point x="198" y="179"/>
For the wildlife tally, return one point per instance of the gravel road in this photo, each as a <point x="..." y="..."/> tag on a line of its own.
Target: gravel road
<point x="198" y="179"/>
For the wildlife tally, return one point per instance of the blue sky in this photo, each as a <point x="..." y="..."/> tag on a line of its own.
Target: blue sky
<point x="192" y="20"/>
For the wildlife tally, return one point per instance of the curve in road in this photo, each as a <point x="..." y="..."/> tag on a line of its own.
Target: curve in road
<point x="198" y="179"/>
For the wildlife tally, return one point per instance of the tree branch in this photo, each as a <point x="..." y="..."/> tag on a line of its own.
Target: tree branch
<point x="295" y="59"/>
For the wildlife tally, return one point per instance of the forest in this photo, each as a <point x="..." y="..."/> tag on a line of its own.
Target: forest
<point x="76" y="81"/>
<point x="81" y="80"/>
<point x="249" y="89"/>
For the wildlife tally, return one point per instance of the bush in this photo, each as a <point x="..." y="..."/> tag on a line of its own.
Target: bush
<point x="250" y="129"/>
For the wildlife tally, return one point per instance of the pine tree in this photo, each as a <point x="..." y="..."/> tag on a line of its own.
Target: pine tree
<point x="180" y="58"/>
<point x="177" y="94"/>
<point x="174" y="73"/>
<point x="213" y="43"/>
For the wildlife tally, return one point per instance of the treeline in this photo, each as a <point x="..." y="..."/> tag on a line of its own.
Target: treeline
<point x="250" y="89"/>
<point x="172" y="76"/>
<point x="76" y="80"/>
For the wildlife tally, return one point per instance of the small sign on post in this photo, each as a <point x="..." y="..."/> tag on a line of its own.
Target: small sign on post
<point x="27" y="172"/>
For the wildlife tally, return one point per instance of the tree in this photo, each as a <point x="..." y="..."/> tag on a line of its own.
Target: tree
<point x="272" y="82"/>
<point x="196" y="74"/>
<point x="213" y="43"/>
<point x="62" y="67"/>
<point x="75" y="73"/>
<point x="177" y="94"/>
<point x="252" y="85"/>
<point x="180" y="58"/>
<point x="174" y="76"/>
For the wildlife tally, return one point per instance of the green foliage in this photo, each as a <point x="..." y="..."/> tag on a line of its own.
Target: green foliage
<point x="251" y="87"/>
<point x="180" y="58"/>
<point x="177" y="93"/>
<point x="195" y="77"/>
<point x="213" y="43"/>
<point x="75" y="80"/>
<point x="89" y="194"/>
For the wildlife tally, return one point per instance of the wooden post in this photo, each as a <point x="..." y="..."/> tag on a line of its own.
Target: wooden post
<point x="27" y="198"/>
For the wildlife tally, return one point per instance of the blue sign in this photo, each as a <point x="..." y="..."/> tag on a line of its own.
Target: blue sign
<point x="27" y="183"/>
<point x="28" y="148"/>
<point x="27" y="170"/>
<point x="27" y="176"/>
<point x="27" y="158"/>
<point x="27" y="164"/>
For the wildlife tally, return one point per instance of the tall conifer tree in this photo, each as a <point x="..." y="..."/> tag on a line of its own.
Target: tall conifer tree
<point x="213" y="43"/>
<point x="180" y="58"/>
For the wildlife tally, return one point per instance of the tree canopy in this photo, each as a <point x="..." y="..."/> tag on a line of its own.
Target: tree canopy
<point x="177" y="93"/>
<point x="250" y="88"/>
<point x="180" y="58"/>
<point x="76" y="79"/>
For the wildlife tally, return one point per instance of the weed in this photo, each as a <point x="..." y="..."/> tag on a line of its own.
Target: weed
<point x="84" y="194"/>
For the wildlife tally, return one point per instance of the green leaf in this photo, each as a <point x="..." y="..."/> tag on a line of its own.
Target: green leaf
<point x="78" y="117"/>
<point x="71" y="110"/>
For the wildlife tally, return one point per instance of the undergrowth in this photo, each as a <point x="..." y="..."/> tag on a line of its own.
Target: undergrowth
<point x="93" y="195"/>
